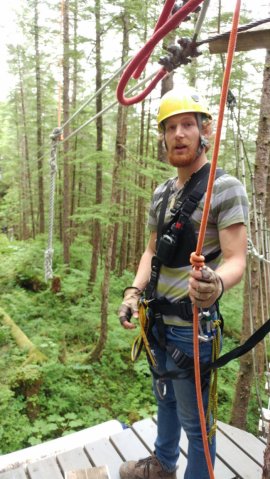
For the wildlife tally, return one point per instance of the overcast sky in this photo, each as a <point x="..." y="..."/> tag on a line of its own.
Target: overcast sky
<point x="259" y="8"/>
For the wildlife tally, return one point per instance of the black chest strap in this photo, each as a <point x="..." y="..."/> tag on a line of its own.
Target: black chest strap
<point x="186" y="205"/>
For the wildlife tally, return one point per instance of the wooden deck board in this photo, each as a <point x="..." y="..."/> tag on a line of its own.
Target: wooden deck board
<point x="239" y="454"/>
<point x="236" y="459"/>
<point x="13" y="474"/>
<point x="92" y="473"/>
<point x="45" y="469"/>
<point x="129" y="445"/>
<point x="251" y="445"/>
<point x="72" y="460"/>
<point x="102" y="452"/>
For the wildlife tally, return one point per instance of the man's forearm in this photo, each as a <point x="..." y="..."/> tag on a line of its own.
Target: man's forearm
<point x="144" y="269"/>
<point x="231" y="272"/>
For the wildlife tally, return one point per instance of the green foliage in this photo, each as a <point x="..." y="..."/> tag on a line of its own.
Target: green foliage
<point x="65" y="394"/>
<point x="231" y="307"/>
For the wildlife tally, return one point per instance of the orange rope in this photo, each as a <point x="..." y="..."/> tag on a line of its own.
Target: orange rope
<point x="196" y="259"/>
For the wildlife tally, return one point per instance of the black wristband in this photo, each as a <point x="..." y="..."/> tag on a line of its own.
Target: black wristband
<point x="222" y="288"/>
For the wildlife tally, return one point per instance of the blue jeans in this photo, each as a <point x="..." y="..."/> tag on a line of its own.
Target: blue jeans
<point x="178" y="408"/>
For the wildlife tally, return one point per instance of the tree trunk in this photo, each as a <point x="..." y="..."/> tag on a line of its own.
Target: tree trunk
<point x="66" y="172"/>
<point x="74" y="106"/>
<point x="26" y="146"/>
<point x="245" y="377"/>
<point x="22" y="341"/>
<point x="119" y="152"/>
<point x="39" y="126"/>
<point x="140" y="218"/>
<point x="96" y="242"/>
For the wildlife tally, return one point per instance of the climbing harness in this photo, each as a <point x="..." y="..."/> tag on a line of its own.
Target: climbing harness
<point x="178" y="236"/>
<point x="179" y="230"/>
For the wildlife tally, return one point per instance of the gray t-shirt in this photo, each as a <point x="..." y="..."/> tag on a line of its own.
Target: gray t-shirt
<point x="229" y="205"/>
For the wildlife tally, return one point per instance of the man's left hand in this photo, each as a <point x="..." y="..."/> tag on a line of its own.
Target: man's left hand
<point x="205" y="287"/>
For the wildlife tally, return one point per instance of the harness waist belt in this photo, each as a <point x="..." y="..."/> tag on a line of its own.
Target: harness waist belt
<point x="183" y="309"/>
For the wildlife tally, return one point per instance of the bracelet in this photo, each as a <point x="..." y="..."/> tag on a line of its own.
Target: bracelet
<point x="222" y="288"/>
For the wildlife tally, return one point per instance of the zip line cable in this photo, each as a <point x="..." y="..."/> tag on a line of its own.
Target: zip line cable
<point x="93" y="118"/>
<point x="55" y="141"/>
<point x="243" y="28"/>
<point x="96" y="94"/>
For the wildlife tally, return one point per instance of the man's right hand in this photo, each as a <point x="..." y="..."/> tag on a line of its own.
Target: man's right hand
<point x="129" y="307"/>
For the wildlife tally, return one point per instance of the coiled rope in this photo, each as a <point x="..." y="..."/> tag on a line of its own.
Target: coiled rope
<point x="48" y="255"/>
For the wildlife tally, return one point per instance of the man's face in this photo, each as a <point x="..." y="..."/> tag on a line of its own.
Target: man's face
<point x="182" y="137"/>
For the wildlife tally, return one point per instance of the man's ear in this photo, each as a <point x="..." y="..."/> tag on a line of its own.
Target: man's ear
<point x="207" y="133"/>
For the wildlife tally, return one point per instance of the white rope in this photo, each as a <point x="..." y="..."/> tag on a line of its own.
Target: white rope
<point x="48" y="255"/>
<point x="96" y="93"/>
<point x="253" y="252"/>
<point x="93" y="118"/>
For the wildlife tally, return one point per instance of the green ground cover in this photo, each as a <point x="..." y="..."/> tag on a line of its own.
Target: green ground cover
<point x="65" y="394"/>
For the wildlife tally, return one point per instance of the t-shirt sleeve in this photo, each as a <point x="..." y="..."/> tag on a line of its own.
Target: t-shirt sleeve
<point x="155" y="206"/>
<point x="229" y="203"/>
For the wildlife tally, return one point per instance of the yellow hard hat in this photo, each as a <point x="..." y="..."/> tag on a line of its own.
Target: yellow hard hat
<point x="178" y="101"/>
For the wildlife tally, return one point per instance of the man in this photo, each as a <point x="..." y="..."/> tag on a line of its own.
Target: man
<point x="185" y="121"/>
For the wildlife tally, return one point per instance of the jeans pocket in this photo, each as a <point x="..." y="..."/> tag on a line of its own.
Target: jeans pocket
<point x="180" y="333"/>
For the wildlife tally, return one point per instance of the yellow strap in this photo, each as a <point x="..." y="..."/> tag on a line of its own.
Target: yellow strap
<point x="141" y="340"/>
<point x="213" y="391"/>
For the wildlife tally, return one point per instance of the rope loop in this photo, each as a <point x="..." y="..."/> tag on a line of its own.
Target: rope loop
<point x="138" y="63"/>
<point x="56" y="134"/>
<point x="197" y="260"/>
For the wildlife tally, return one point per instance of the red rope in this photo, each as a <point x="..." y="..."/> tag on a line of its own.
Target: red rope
<point x="137" y="64"/>
<point x="196" y="258"/>
<point x="162" y="19"/>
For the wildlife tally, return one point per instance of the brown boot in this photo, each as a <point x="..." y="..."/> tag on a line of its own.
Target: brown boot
<point x="149" y="468"/>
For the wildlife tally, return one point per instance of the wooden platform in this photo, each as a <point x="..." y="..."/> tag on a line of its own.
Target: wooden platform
<point x="239" y="454"/>
<point x="253" y="39"/>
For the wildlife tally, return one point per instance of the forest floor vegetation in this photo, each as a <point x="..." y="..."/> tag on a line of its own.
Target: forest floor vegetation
<point x="64" y="393"/>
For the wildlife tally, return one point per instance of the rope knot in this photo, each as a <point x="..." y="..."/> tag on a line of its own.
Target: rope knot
<point x="197" y="260"/>
<point x="56" y="134"/>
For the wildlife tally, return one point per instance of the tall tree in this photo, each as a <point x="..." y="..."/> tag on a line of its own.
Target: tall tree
<point x="245" y="376"/>
<point x="39" y="122"/>
<point x="66" y="104"/>
<point x="114" y="212"/>
<point x="96" y="242"/>
<point x="74" y="105"/>
<point x="26" y="152"/>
